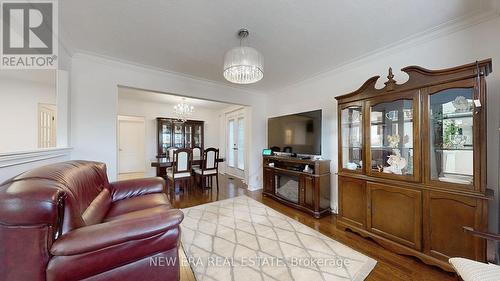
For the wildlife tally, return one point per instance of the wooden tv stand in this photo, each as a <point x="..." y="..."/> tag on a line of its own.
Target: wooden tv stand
<point x="286" y="182"/>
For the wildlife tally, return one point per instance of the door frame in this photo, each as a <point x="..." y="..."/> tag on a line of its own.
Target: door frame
<point x="245" y="115"/>
<point x="127" y="118"/>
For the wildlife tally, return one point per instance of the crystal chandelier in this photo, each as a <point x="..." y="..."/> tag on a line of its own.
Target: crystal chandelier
<point x="183" y="110"/>
<point x="243" y="65"/>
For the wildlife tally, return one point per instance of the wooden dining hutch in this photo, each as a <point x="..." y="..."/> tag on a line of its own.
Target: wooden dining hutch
<point x="412" y="162"/>
<point x="172" y="132"/>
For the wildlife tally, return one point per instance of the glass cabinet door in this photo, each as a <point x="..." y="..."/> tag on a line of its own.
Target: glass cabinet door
<point x="165" y="136"/>
<point x="178" y="135"/>
<point x="391" y="138"/>
<point x="188" y="135"/>
<point x="352" y="138"/>
<point x="197" y="135"/>
<point x="451" y="136"/>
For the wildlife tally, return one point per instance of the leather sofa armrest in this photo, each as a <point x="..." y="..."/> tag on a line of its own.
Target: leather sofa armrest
<point x="136" y="187"/>
<point x="29" y="203"/>
<point x="99" y="236"/>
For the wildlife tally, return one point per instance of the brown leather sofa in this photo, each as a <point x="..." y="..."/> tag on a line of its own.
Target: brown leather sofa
<point x="67" y="222"/>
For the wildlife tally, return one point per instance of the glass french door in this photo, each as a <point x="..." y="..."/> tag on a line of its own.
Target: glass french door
<point x="236" y="143"/>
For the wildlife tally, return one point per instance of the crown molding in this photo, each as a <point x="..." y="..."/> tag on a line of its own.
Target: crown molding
<point x="420" y="38"/>
<point x="103" y="59"/>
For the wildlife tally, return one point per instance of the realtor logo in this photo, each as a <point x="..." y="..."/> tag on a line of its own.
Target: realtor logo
<point x="28" y="35"/>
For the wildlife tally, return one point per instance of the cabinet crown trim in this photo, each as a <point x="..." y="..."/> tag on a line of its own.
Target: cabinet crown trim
<point x="419" y="77"/>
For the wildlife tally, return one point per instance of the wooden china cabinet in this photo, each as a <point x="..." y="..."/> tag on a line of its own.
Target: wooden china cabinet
<point x="412" y="162"/>
<point x="174" y="133"/>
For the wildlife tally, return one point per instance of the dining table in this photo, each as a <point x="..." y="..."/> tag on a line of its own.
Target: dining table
<point x="162" y="163"/>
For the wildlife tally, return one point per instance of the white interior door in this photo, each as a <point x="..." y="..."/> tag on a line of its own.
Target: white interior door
<point x="47" y="125"/>
<point x="235" y="143"/>
<point x="131" y="147"/>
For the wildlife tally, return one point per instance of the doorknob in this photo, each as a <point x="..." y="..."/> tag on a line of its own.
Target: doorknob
<point x="120" y="149"/>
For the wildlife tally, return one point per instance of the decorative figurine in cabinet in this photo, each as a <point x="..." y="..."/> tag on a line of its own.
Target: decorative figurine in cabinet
<point x="413" y="162"/>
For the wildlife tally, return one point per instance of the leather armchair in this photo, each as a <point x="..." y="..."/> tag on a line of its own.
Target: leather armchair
<point x="67" y="222"/>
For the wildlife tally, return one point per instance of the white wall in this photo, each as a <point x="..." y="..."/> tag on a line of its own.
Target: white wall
<point x="19" y="101"/>
<point x="465" y="46"/>
<point x="19" y="123"/>
<point x="151" y="110"/>
<point x="94" y="106"/>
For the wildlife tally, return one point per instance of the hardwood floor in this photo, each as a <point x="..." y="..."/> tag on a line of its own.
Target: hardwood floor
<point x="390" y="266"/>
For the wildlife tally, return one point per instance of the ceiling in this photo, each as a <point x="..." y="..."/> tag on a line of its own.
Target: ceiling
<point x="298" y="38"/>
<point x="154" y="97"/>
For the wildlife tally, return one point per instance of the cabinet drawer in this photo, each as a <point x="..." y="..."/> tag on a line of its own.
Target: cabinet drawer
<point x="395" y="213"/>
<point x="352" y="201"/>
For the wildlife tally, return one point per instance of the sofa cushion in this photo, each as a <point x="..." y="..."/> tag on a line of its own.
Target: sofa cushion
<point x="81" y="266"/>
<point x="94" y="249"/>
<point x="97" y="210"/>
<point x="139" y="203"/>
<point x="136" y="187"/>
<point x="133" y="226"/>
<point x="86" y="265"/>
<point x="151" y="268"/>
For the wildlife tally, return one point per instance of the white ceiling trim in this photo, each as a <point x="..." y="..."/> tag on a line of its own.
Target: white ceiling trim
<point x="103" y="59"/>
<point x="399" y="46"/>
<point x="180" y="96"/>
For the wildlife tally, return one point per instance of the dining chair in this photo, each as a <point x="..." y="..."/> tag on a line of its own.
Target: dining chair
<point x="181" y="168"/>
<point x="196" y="156"/>
<point x="209" y="168"/>
<point x="170" y="152"/>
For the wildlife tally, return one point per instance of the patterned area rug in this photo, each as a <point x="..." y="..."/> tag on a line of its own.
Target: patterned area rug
<point x="242" y="239"/>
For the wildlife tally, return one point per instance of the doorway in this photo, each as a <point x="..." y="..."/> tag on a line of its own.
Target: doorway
<point x="235" y="143"/>
<point x="131" y="145"/>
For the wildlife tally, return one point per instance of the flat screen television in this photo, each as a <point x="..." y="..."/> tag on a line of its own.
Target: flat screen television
<point x="296" y="133"/>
